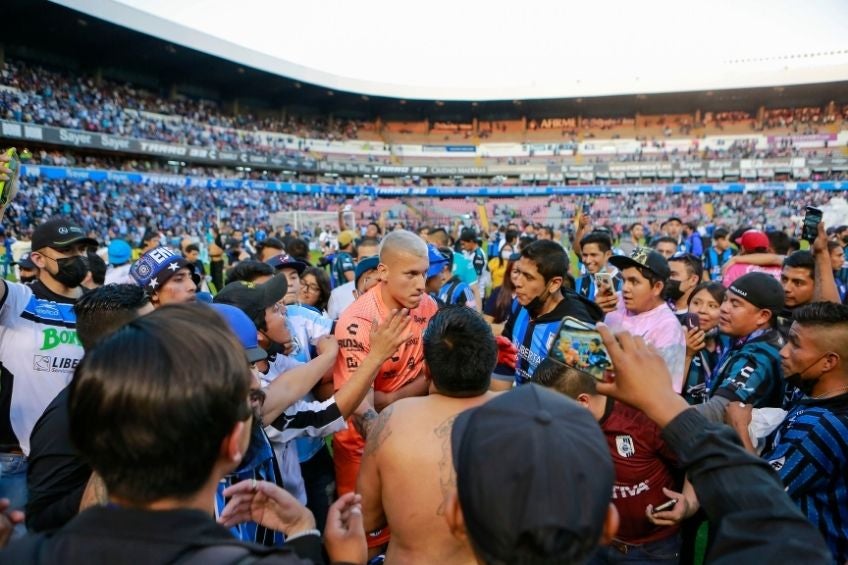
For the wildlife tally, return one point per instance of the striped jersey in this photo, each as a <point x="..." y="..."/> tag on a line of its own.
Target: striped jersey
<point x="810" y="453"/>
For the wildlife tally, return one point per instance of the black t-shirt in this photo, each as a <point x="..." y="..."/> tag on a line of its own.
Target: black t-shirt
<point x="57" y="475"/>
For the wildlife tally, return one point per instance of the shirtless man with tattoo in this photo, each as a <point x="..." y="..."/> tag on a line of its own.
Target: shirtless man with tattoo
<point x="407" y="468"/>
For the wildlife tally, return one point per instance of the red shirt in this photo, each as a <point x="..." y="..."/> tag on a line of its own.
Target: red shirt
<point x="644" y="464"/>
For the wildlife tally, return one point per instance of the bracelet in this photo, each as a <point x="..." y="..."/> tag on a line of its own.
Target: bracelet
<point x="304" y="533"/>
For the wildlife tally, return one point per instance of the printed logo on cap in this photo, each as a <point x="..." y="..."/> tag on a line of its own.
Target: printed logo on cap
<point x="640" y="255"/>
<point x="739" y="291"/>
<point x="63" y="230"/>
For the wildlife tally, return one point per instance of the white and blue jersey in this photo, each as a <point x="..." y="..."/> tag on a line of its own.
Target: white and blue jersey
<point x="39" y="351"/>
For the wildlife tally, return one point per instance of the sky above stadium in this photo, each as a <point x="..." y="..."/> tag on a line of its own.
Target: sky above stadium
<point x="498" y="50"/>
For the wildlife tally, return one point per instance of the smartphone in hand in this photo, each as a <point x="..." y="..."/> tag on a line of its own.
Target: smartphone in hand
<point x="604" y="283"/>
<point x="693" y="321"/>
<point x="810" y="228"/>
<point x="668" y="505"/>
<point x="578" y="345"/>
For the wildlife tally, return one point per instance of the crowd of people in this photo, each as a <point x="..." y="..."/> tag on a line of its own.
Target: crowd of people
<point x="112" y="209"/>
<point x="488" y="398"/>
<point x="42" y="96"/>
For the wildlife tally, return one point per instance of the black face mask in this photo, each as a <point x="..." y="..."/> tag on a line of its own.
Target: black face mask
<point x="27" y="280"/>
<point x="535" y="306"/>
<point x="672" y="291"/>
<point x="807" y="385"/>
<point x="72" y="271"/>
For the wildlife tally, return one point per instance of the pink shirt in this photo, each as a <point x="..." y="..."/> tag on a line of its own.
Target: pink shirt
<point x="658" y="327"/>
<point x="736" y="270"/>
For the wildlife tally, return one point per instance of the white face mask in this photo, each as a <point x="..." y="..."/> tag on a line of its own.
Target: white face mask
<point x="506" y="254"/>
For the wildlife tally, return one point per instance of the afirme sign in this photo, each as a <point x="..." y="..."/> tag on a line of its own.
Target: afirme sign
<point x="281" y="161"/>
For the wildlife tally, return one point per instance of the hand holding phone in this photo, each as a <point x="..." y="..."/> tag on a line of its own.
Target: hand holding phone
<point x="810" y="228"/>
<point x="693" y="321"/>
<point x="578" y="345"/>
<point x="603" y="283"/>
<point x="667" y="505"/>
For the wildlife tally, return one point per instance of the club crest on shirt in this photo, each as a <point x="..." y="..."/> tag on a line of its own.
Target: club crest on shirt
<point x="778" y="464"/>
<point x="625" y="446"/>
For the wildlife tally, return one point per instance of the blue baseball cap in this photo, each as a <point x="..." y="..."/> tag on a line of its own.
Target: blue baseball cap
<point x="365" y="265"/>
<point x="244" y="329"/>
<point x="154" y="268"/>
<point x="120" y="252"/>
<point x="437" y="261"/>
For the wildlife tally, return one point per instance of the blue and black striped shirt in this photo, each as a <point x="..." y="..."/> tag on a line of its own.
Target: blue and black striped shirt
<point x="810" y="453"/>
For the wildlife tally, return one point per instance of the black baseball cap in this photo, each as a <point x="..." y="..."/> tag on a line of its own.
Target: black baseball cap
<point x="285" y="261"/>
<point x="58" y="233"/>
<point x="252" y="298"/>
<point x="25" y="262"/>
<point x="467" y="235"/>
<point x="643" y="258"/>
<point x="761" y="290"/>
<point x="553" y="470"/>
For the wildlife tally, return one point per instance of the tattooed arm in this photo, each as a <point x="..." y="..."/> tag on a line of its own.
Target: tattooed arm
<point x="369" y="484"/>
<point x="364" y="419"/>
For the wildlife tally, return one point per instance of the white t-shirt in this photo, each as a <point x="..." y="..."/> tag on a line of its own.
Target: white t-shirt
<point x="39" y="351"/>
<point x="119" y="275"/>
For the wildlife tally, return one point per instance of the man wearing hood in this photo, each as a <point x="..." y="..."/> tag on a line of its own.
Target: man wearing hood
<point x="541" y="304"/>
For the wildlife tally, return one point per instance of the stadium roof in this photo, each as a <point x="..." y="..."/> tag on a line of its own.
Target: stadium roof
<point x="485" y="50"/>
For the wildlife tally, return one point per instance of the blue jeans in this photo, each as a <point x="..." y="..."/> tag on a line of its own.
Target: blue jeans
<point x="13" y="484"/>
<point x="665" y="551"/>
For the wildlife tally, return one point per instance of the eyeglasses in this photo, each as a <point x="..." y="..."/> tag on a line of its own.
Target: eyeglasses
<point x="311" y="287"/>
